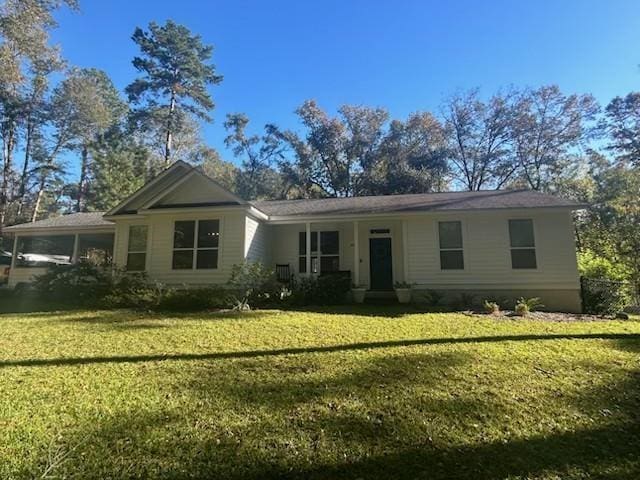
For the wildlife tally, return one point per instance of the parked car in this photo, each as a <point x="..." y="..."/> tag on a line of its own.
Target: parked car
<point x="5" y="266"/>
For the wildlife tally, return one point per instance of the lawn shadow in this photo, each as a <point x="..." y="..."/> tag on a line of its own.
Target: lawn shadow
<point x="36" y="362"/>
<point x="367" y="444"/>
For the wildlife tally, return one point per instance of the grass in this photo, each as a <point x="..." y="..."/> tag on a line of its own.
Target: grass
<point x="371" y="392"/>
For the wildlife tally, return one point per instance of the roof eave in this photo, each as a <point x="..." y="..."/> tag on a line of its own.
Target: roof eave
<point x="302" y="218"/>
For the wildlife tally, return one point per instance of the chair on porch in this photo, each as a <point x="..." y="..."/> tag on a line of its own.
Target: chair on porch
<point x="284" y="275"/>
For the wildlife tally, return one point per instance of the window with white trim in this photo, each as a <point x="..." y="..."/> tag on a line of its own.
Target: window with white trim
<point x="523" y="244"/>
<point x="324" y="259"/>
<point x="137" y="248"/>
<point x="196" y="244"/>
<point x="451" y="252"/>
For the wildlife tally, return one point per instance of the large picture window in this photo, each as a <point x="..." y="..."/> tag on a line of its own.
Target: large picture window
<point x="137" y="248"/>
<point x="325" y="252"/>
<point x="196" y="244"/>
<point x="523" y="244"/>
<point x="450" y="238"/>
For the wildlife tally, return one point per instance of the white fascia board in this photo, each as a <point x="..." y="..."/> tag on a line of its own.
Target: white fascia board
<point x="293" y="219"/>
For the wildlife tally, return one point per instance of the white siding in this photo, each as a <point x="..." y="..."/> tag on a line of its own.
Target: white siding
<point x="160" y="246"/>
<point x="487" y="252"/>
<point x="257" y="242"/>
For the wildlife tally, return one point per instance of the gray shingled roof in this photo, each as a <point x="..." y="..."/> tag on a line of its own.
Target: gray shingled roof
<point x="83" y="220"/>
<point x="416" y="202"/>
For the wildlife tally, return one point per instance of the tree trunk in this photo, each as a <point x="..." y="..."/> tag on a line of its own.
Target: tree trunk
<point x="36" y="207"/>
<point x="169" y="139"/>
<point x="25" y="166"/>
<point x="7" y="153"/>
<point x="83" y="177"/>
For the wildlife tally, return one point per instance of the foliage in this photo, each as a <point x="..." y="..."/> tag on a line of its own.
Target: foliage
<point x="193" y="299"/>
<point x="525" y="305"/>
<point x="176" y="71"/>
<point x="622" y="125"/>
<point x="114" y="390"/>
<point x="479" y="139"/>
<point x="603" y="297"/>
<point x="491" y="307"/>
<point x="402" y="285"/>
<point x="547" y="125"/>
<point x="253" y="285"/>
<point x="257" y="179"/>
<point x="592" y="265"/>
<point x="84" y="283"/>
<point x="327" y="289"/>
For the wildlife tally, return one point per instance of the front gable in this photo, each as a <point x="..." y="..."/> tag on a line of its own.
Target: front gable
<point x="194" y="190"/>
<point x="181" y="185"/>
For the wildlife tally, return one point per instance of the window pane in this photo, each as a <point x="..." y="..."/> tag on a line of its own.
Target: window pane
<point x="451" y="260"/>
<point x="207" y="259"/>
<point x="96" y="249"/>
<point x="521" y="233"/>
<point x="208" y="233"/>
<point x="329" y="243"/>
<point x="302" y="265"/>
<point x="329" y="264"/>
<point x="45" y="251"/>
<point x="450" y="234"/>
<point x="183" y="234"/>
<point x="136" y="262"/>
<point x="523" y="258"/>
<point x="302" y="243"/>
<point x="182" y="259"/>
<point x="138" y="238"/>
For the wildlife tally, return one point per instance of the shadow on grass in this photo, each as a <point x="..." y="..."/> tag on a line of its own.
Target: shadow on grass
<point x="37" y="362"/>
<point x="340" y="442"/>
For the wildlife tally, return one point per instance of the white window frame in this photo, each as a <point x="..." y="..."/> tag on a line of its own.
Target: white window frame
<point x="534" y="248"/>
<point x="460" y="249"/>
<point x="145" y="251"/>
<point x="195" y="249"/>
<point x="317" y="255"/>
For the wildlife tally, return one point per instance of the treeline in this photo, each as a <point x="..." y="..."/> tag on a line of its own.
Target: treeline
<point x="72" y="142"/>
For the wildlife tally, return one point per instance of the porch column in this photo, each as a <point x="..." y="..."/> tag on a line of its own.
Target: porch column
<point x="74" y="255"/>
<point x="405" y="249"/>
<point x="356" y="253"/>
<point x="308" y="249"/>
<point x="14" y="253"/>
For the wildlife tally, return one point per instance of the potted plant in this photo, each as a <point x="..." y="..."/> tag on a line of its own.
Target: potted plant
<point x="358" y="292"/>
<point x="403" y="291"/>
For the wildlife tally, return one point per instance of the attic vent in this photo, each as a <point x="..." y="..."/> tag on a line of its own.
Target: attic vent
<point x="379" y="231"/>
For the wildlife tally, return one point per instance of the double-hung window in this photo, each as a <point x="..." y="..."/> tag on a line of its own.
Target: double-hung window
<point x="325" y="252"/>
<point x="196" y="244"/>
<point x="450" y="238"/>
<point x="523" y="244"/>
<point x="137" y="248"/>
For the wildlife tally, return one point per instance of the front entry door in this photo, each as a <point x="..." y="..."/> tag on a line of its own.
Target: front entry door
<point x="380" y="264"/>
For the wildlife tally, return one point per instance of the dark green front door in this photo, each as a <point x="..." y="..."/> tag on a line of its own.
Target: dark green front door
<point x="380" y="264"/>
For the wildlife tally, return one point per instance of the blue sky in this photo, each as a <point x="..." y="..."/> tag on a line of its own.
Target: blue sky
<point x="402" y="55"/>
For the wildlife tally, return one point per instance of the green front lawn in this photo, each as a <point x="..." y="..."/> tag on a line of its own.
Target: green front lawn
<point x="375" y="394"/>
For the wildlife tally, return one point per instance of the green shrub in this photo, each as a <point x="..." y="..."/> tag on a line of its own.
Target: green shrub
<point x="193" y="299"/>
<point x="525" y="305"/>
<point x="329" y="289"/>
<point x="254" y="285"/>
<point x="491" y="307"/>
<point x="603" y="297"/>
<point x="78" y="284"/>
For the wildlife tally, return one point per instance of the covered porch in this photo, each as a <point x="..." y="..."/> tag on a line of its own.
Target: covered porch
<point x="373" y="251"/>
<point x="35" y="251"/>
